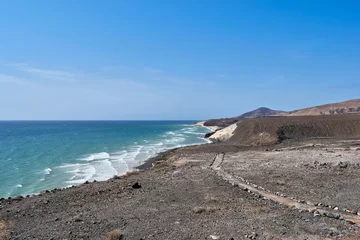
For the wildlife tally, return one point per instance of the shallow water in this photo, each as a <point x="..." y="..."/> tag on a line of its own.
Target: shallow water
<point x="39" y="155"/>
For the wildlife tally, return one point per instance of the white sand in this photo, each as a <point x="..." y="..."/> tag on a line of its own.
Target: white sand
<point x="224" y="134"/>
<point x="201" y="124"/>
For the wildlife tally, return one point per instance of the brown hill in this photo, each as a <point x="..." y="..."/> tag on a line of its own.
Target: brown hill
<point x="270" y="130"/>
<point x="351" y="106"/>
<point x="262" y="112"/>
<point x="347" y="107"/>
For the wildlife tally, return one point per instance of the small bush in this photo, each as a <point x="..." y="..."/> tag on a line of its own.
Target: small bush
<point x="114" y="235"/>
<point x="199" y="210"/>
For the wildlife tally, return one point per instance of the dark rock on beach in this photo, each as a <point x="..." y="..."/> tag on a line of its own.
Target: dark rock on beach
<point x="208" y="135"/>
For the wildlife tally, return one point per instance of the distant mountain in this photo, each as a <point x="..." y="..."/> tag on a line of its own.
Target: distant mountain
<point x="347" y="107"/>
<point x="262" y="112"/>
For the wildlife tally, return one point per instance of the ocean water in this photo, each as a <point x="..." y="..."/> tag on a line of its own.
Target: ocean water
<point x="40" y="155"/>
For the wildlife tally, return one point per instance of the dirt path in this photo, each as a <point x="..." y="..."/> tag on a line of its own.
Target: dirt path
<point x="287" y="201"/>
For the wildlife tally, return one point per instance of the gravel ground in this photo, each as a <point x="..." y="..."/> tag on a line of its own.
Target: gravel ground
<point x="182" y="198"/>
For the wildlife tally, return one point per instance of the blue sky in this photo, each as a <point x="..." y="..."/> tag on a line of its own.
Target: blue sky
<point x="174" y="59"/>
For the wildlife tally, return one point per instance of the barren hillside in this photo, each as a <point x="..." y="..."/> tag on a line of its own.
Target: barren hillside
<point x="262" y="112"/>
<point x="270" y="130"/>
<point x="351" y="106"/>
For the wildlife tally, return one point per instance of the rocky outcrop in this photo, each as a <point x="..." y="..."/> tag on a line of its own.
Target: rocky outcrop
<point x="224" y="134"/>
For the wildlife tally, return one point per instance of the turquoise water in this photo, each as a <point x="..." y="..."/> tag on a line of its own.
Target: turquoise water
<point x="40" y="155"/>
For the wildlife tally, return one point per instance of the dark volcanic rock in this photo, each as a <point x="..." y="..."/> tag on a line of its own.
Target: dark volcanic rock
<point x="208" y="135"/>
<point x="136" y="185"/>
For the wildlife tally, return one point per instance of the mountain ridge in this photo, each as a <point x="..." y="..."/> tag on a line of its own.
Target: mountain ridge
<point x="345" y="107"/>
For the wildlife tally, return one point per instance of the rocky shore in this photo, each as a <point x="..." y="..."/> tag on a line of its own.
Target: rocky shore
<point x="300" y="188"/>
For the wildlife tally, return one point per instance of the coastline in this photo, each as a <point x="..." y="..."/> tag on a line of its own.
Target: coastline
<point x="141" y="166"/>
<point x="202" y="124"/>
<point x="149" y="163"/>
<point x="190" y="194"/>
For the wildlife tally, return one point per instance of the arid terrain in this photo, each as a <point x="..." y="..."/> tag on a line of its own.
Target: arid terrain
<point x="346" y="107"/>
<point x="341" y="108"/>
<point x="304" y="185"/>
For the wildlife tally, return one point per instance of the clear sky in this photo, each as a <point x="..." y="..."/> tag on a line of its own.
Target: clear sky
<point x="173" y="59"/>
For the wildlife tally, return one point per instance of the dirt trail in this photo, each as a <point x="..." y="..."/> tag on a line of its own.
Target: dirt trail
<point x="290" y="202"/>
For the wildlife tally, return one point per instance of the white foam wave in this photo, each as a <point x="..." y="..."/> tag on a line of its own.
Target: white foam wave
<point x="96" y="156"/>
<point x="19" y="186"/>
<point x="102" y="166"/>
<point x="194" y="133"/>
<point x="80" y="172"/>
<point x="47" y="171"/>
<point x="103" y="170"/>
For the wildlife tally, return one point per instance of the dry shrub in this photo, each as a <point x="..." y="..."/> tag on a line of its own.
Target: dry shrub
<point x="3" y="234"/>
<point x="114" y="235"/>
<point x="131" y="173"/>
<point x="177" y="164"/>
<point x="199" y="210"/>
<point x="259" y="208"/>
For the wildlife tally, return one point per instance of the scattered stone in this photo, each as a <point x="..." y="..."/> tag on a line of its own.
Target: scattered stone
<point x="77" y="218"/>
<point x="214" y="237"/>
<point x="333" y="215"/>
<point x="18" y="198"/>
<point x="336" y="208"/>
<point x="253" y="235"/>
<point x="352" y="211"/>
<point x="343" y="165"/>
<point x="350" y="221"/>
<point x="316" y="213"/>
<point x="136" y="185"/>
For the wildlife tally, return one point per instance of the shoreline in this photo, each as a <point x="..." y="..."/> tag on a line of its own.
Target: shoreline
<point x="189" y="194"/>
<point x="140" y="166"/>
<point x="149" y="163"/>
<point x="191" y="188"/>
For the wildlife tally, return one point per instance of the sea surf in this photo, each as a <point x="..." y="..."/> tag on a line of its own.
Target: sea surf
<point x="42" y="155"/>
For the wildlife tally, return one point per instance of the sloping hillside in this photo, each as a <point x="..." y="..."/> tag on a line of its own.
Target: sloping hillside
<point x="341" y="108"/>
<point x="347" y="107"/>
<point x="266" y="131"/>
